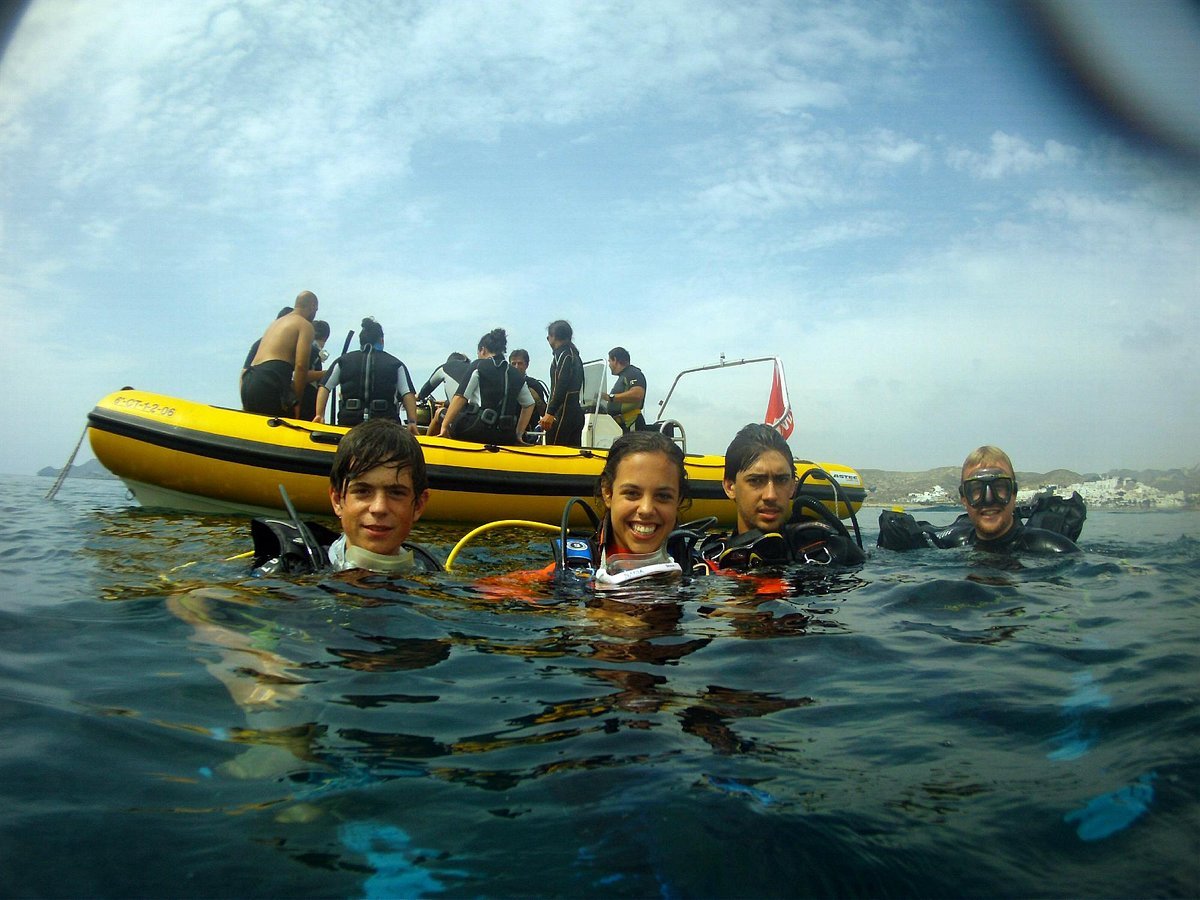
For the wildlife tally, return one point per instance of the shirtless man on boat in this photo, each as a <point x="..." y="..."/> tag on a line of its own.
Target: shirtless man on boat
<point x="279" y="371"/>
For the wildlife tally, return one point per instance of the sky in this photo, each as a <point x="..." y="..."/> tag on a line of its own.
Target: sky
<point x="955" y="224"/>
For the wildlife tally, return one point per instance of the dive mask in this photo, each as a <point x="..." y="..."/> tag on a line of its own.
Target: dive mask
<point x="988" y="487"/>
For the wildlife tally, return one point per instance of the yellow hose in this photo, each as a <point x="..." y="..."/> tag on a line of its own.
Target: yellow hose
<point x="503" y="523"/>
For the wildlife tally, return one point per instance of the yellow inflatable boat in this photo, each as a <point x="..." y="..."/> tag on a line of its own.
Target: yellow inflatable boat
<point x="178" y="454"/>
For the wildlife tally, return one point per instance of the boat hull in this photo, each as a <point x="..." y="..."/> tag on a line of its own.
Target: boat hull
<point x="177" y="454"/>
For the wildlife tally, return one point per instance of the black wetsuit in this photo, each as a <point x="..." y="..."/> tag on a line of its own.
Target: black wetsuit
<point x="456" y="369"/>
<point x="267" y="388"/>
<point x="804" y="542"/>
<point x="1018" y="539"/>
<point x="900" y="531"/>
<point x="628" y="413"/>
<point x="494" y="421"/>
<point x="281" y="548"/>
<point x="566" y="383"/>
<point x="372" y="384"/>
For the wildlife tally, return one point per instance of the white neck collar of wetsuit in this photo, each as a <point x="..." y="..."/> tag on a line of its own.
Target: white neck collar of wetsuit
<point x="618" y="569"/>
<point x="345" y="555"/>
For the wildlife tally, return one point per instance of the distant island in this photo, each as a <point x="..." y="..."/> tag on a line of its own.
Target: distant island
<point x="1122" y="488"/>
<point x="89" y="469"/>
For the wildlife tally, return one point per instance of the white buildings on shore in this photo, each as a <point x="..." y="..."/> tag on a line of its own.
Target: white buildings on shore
<point x="1115" y="492"/>
<point x="1107" y="492"/>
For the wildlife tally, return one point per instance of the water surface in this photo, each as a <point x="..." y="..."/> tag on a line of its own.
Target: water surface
<point x="929" y="725"/>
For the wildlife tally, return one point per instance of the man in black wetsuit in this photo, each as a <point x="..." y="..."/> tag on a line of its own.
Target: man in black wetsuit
<point x="989" y="492"/>
<point x="374" y="383"/>
<point x="628" y="392"/>
<point x="760" y="479"/>
<point x="563" y="421"/>
<point x="519" y="360"/>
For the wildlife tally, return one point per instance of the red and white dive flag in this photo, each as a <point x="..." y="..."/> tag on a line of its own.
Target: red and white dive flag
<point x="779" y="407"/>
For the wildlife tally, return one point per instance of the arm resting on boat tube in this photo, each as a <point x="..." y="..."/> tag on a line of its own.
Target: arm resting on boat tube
<point x="322" y="402"/>
<point x="523" y="421"/>
<point x="410" y="410"/>
<point x="457" y="402"/>
<point x="304" y="339"/>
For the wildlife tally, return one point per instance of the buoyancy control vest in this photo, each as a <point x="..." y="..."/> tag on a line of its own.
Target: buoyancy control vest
<point x="280" y="548"/>
<point x="495" y="422"/>
<point x="806" y="541"/>
<point x="1046" y="513"/>
<point x="368" y="380"/>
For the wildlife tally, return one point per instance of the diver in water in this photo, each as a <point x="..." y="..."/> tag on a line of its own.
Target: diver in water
<point x="378" y="489"/>
<point x="760" y="479"/>
<point x="988" y="490"/>
<point x="643" y="488"/>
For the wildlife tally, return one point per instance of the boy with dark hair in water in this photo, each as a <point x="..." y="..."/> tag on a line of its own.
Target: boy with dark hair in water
<point x="378" y="488"/>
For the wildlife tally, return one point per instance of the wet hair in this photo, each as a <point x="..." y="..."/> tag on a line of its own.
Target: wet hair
<point x="494" y="342"/>
<point x="320" y="329"/>
<point x="560" y="330"/>
<point x="642" y="442"/>
<point x="519" y="354"/>
<point x="377" y="442"/>
<point x="620" y="354"/>
<point x="369" y="332"/>
<point x="749" y="444"/>
<point x="987" y="454"/>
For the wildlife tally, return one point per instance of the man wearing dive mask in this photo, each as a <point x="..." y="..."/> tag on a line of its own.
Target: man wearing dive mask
<point x="988" y="490"/>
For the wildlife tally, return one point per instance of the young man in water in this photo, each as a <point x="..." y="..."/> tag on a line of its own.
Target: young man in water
<point x="988" y="490"/>
<point x="760" y="479"/>
<point x="378" y="489"/>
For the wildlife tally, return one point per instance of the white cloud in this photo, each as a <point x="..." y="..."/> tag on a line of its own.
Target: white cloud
<point x="1011" y="155"/>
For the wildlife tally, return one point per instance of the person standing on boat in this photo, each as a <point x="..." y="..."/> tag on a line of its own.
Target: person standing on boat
<point x="374" y="384"/>
<point x="628" y="392"/>
<point x="519" y="360"/>
<point x="563" y="421"/>
<point x="308" y="403"/>
<point x="760" y="479"/>
<point x="502" y="402"/>
<point x="452" y="373"/>
<point x="275" y="378"/>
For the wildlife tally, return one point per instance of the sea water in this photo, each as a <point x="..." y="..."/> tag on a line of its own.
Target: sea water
<point x="933" y="724"/>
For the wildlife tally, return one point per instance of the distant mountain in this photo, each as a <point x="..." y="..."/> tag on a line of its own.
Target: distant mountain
<point x="89" y="469"/>
<point x="941" y="485"/>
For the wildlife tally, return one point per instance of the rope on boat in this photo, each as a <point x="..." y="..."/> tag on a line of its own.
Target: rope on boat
<point x="62" y="475"/>
<point x="327" y="437"/>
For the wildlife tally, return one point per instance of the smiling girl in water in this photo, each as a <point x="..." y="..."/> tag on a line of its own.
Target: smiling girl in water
<point x="643" y="488"/>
